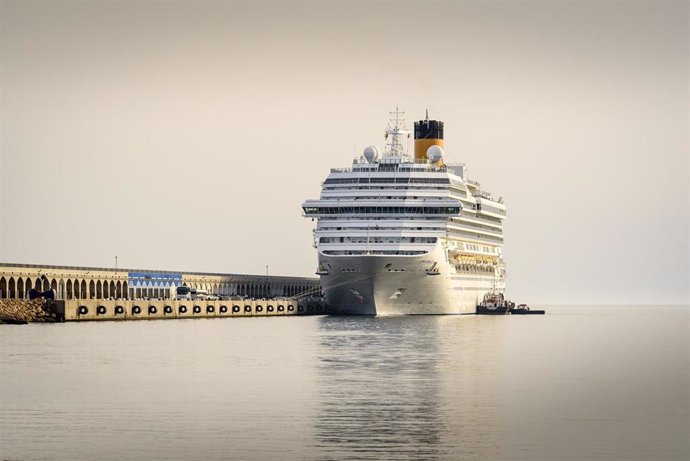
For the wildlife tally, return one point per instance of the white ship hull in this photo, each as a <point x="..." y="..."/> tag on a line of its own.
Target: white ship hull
<point x="400" y="285"/>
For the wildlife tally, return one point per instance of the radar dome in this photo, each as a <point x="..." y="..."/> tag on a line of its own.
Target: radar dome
<point x="434" y="153"/>
<point x="371" y="153"/>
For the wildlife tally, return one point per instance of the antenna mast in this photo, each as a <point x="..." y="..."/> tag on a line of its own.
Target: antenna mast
<point x="395" y="131"/>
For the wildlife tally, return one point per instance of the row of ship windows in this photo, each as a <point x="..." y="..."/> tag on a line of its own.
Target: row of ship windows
<point x="432" y="219"/>
<point x="311" y="211"/>
<point x="473" y="236"/>
<point x="401" y="167"/>
<point x="383" y="197"/>
<point x="377" y="240"/>
<point x="378" y="227"/>
<point x="419" y="188"/>
<point x="387" y="181"/>
<point x="458" y="247"/>
<point x="481" y="218"/>
<point x="475" y="268"/>
<point x="470" y="226"/>
<point x="475" y="247"/>
<point x="373" y="252"/>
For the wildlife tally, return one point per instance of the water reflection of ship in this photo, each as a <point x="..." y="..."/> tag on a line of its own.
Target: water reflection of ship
<point x="406" y="388"/>
<point x="379" y="389"/>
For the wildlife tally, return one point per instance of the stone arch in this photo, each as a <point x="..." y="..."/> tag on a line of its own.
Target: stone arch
<point x="68" y="287"/>
<point x="3" y="288"/>
<point x="11" y="288"/>
<point x="106" y="290"/>
<point x="20" y="288"/>
<point x="82" y="291"/>
<point x="99" y="290"/>
<point x="54" y="285"/>
<point x="124" y="289"/>
<point x="92" y="290"/>
<point x="111" y="289"/>
<point x="28" y="286"/>
<point x="61" y="289"/>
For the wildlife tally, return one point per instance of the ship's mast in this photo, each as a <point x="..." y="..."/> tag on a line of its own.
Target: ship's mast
<point x="395" y="131"/>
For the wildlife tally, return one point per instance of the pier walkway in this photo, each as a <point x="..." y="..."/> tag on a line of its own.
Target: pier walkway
<point x="89" y="283"/>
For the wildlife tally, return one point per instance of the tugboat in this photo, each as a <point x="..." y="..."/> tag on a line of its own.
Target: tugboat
<point x="494" y="304"/>
<point x="523" y="309"/>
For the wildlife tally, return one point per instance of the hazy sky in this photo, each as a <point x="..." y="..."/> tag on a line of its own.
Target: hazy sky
<point x="185" y="135"/>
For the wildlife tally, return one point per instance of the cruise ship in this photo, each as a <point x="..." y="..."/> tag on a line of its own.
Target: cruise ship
<point x="403" y="233"/>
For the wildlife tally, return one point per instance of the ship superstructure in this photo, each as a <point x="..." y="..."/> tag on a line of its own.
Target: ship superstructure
<point x="407" y="234"/>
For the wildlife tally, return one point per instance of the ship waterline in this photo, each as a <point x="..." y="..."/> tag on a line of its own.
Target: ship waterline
<point x="402" y="234"/>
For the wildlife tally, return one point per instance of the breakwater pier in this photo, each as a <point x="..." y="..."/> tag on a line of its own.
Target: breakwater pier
<point x="92" y="293"/>
<point x="41" y="310"/>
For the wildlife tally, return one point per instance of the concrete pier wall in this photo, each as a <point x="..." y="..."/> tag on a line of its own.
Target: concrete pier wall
<point x="102" y="309"/>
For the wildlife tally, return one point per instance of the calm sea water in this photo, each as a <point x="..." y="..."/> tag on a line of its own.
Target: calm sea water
<point x="580" y="383"/>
